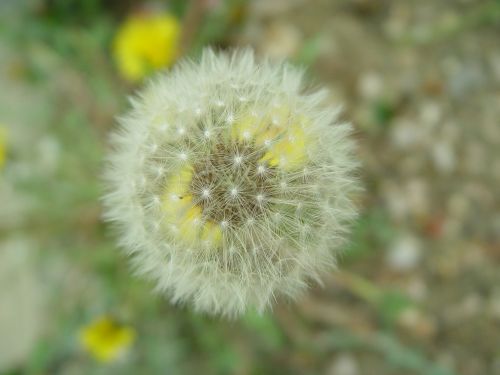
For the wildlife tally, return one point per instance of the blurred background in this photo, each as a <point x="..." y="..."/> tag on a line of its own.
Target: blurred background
<point x="418" y="291"/>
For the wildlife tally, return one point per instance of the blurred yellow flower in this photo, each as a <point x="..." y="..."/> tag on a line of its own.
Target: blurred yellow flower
<point x="3" y="146"/>
<point x="144" y="43"/>
<point x="106" y="340"/>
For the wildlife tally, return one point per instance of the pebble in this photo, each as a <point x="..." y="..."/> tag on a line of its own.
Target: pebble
<point x="344" y="364"/>
<point x="416" y="289"/>
<point x="430" y="113"/>
<point x="404" y="254"/>
<point x="417" y="195"/>
<point x="281" y="40"/>
<point x="443" y="157"/>
<point x="406" y="133"/>
<point x="419" y="324"/>
<point x="370" y="85"/>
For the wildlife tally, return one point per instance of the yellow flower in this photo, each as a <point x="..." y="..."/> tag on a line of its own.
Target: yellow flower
<point x="3" y="148"/>
<point x="144" y="43"/>
<point x="106" y="340"/>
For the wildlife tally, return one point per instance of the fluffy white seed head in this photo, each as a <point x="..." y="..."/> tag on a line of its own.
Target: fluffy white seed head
<point x="229" y="184"/>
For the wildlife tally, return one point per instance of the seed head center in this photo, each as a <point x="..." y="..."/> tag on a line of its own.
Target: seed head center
<point x="229" y="194"/>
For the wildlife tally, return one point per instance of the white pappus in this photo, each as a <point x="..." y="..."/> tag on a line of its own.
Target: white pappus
<point x="229" y="184"/>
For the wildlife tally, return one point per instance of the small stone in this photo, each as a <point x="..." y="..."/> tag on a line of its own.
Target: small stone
<point x="395" y="201"/>
<point x="406" y="134"/>
<point x="281" y="40"/>
<point x="417" y="195"/>
<point x="416" y="289"/>
<point x="344" y="364"/>
<point x="370" y="85"/>
<point x="430" y="113"/>
<point x="415" y="321"/>
<point x="443" y="157"/>
<point x="404" y="254"/>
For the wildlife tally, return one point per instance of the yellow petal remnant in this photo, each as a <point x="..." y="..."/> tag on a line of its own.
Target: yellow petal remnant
<point x="289" y="151"/>
<point x="144" y="43"/>
<point x="3" y="148"/>
<point x="211" y="233"/>
<point x="285" y="139"/>
<point x="184" y="215"/>
<point x="106" y="340"/>
<point x="282" y="135"/>
<point x="179" y="207"/>
<point x="245" y="129"/>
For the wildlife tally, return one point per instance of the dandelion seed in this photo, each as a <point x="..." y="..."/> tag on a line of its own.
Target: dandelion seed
<point x="205" y="193"/>
<point x="160" y="171"/>
<point x="238" y="159"/>
<point x="243" y="217"/>
<point x="234" y="192"/>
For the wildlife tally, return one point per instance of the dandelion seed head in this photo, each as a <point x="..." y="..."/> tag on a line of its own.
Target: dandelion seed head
<point x="250" y="197"/>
